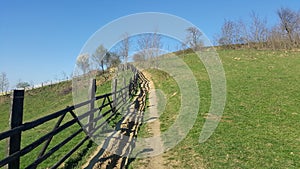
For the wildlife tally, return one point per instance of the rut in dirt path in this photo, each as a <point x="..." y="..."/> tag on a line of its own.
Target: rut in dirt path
<point x="155" y="159"/>
<point x="118" y="146"/>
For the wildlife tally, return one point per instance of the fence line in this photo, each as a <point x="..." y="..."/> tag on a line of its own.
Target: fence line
<point x="114" y="100"/>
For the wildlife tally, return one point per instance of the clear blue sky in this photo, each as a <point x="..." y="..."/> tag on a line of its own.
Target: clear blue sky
<point x="41" y="39"/>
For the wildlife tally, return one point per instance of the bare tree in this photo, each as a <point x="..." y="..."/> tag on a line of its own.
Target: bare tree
<point x="99" y="57"/>
<point x="240" y="33"/>
<point x="194" y="38"/>
<point x="288" y="22"/>
<point x="83" y="63"/>
<point x="144" y="45"/>
<point x="4" y="84"/>
<point x="156" y="44"/>
<point x="233" y="34"/>
<point x="227" y="33"/>
<point x="258" y="29"/>
<point x="124" y="47"/>
<point x="244" y="37"/>
<point x="149" y="45"/>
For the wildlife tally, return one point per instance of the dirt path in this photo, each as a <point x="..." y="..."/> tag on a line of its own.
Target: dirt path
<point x="156" y="161"/>
<point x="115" y="150"/>
<point x="122" y="141"/>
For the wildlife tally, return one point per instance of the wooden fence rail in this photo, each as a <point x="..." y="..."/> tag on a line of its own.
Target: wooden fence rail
<point x="114" y="100"/>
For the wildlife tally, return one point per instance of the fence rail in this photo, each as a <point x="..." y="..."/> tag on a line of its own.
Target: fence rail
<point x="114" y="100"/>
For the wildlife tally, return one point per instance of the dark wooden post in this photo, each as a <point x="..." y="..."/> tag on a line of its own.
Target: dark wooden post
<point x="125" y="91"/>
<point x="135" y="81"/>
<point x="115" y="94"/>
<point x="130" y="87"/>
<point x="92" y="91"/>
<point x="16" y="119"/>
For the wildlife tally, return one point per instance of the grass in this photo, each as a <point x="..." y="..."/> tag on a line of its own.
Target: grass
<point x="259" y="127"/>
<point x="260" y="124"/>
<point x="38" y="103"/>
<point x="167" y="84"/>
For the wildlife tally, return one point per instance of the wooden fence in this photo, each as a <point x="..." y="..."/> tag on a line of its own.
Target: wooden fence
<point x="114" y="100"/>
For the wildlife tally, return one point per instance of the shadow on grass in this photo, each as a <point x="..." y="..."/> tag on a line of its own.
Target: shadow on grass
<point x="73" y="162"/>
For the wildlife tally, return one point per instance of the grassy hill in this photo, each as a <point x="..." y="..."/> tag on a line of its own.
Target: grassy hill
<point x="259" y="128"/>
<point x="38" y="103"/>
<point x="260" y="125"/>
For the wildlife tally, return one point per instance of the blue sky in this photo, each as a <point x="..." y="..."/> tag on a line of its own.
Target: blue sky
<point x="41" y="39"/>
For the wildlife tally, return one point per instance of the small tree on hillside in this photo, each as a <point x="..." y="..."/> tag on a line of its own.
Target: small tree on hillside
<point x="4" y="84"/>
<point x="83" y="63"/>
<point x="289" y="22"/>
<point x="99" y="57"/>
<point x="193" y="38"/>
<point x="23" y="85"/>
<point x="149" y="46"/>
<point x="124" y="47"/>
<point x="114" y="59"/>
<point x="227" y="33"/>
<point x="258" y="29"/>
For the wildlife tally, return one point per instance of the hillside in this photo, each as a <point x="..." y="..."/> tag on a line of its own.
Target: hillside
<point x="261" y="119"/>
<point x="44" y="101"/>
<point x="259" y="127"/>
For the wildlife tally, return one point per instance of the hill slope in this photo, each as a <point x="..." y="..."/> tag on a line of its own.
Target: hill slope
<point x="260" y="124"/>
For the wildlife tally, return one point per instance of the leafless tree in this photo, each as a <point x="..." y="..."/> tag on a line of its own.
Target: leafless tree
<point x="144" y="45"/>
<point x="227" y="33"/>
<point x="124" y="47"/>
<point x="240" y="33"/>
<point x="83" y="63"/>
<point x="234" y="34"/>
<point x="194" y="38"/>
<point x="284" y="35"/>
<point x="258" y="30"/>
<point x="149" y="45"/>
<point x="276" y="39"/>
<point x="288" y="22"/>
<point x="156" y="44"/>
<point x="4" y="84"/>
<point x="244" y="33"/>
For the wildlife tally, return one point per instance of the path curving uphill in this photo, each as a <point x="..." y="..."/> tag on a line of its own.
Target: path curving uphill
<point x="121" y="142"/>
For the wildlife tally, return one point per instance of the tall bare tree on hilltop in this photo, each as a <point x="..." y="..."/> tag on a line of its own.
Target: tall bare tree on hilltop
<point x="124" y="47"/>
<point x="193" y="38"/>
<point x="290" y="23"/>
<point x="4" y="84"/>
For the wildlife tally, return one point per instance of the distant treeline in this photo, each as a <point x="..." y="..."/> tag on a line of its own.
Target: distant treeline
<point x="256" y="34"/>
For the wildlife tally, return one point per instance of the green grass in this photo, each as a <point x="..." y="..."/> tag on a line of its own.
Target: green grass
<point x="259" y="128"/>
<point x="167" y="84"/>
<point x="38" y="103"/>
<point x="260" y="124"/>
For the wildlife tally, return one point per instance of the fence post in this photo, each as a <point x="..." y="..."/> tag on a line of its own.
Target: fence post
<point x="130" y="87"/>
<point x="92" y="91"/>
<point x="16" y="119"/>
<point x="115" y="94"/>
<point x="125" y="91"/>
<point x="135" y="78"/>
